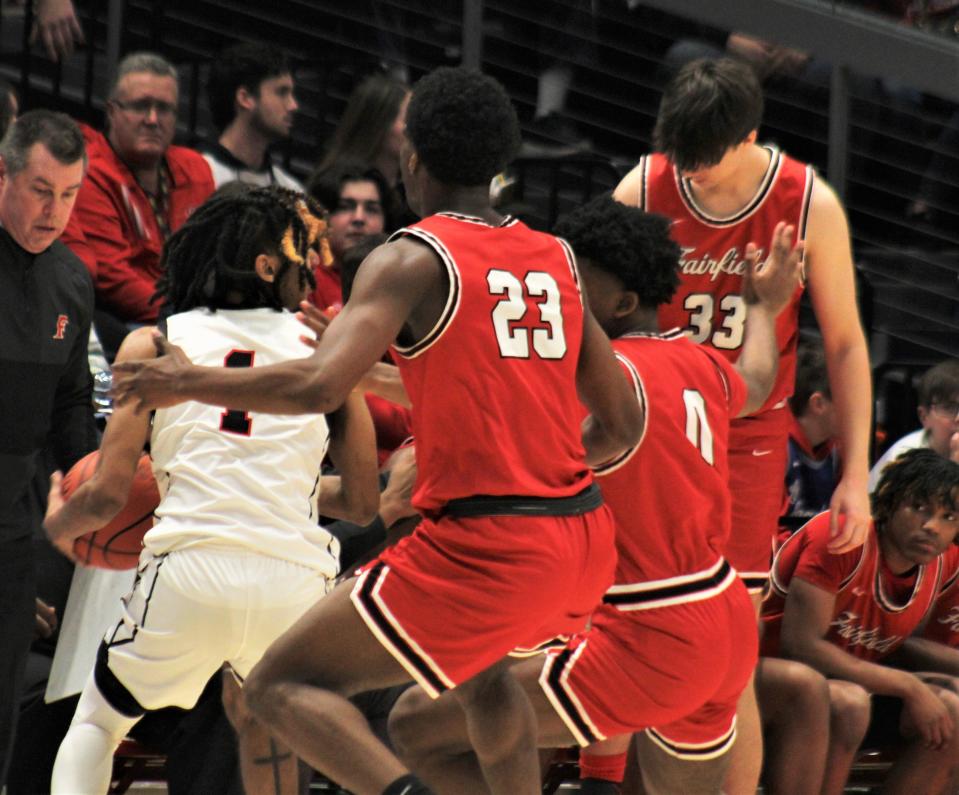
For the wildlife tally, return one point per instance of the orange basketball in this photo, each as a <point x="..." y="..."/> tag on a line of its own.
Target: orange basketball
<point x="117" y="545"/>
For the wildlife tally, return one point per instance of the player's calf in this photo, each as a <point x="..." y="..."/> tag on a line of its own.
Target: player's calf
<point x="428" y="733"/>
<point x="479" y="737"/>
<point x="794" y="703"/>
<point x="85" y="760"/>
<point x="502" y="730"/>
<point x="849" y="712"/>
<point x="266" y="765"/>
<point x="666" y="774"/>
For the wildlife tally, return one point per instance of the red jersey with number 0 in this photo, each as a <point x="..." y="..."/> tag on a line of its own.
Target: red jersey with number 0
<point x="875" y="611"/>
<point x="493" y="384"/>
<point x="709" y="301"/>
<point x="670" y="494"/>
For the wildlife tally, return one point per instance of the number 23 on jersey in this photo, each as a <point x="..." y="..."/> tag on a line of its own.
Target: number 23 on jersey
<point x="548" y="341"/>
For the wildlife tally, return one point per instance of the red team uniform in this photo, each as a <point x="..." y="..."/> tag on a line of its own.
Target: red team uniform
<point x="675" y="641"/>
<point x="710" y="306"/>
<point x="515" y="545"/>
<point x="875" y="610"/>
<point x="943" y="624"/>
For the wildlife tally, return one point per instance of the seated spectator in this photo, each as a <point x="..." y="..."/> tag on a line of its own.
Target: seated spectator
<point x="138" y="189"/>
<point x="250" y="92"/>
<point x="845" y="614"/>
<point x="371" y="129"/>
<point x="355" y="196"/>
<point x="939" y="415"/>
<point x="814" y="466"/>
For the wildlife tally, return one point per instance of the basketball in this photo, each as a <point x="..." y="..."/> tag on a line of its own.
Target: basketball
<point x="117" y="545"/>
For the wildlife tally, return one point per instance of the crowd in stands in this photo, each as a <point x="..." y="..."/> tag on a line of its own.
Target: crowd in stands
<point x="823" y="680"/>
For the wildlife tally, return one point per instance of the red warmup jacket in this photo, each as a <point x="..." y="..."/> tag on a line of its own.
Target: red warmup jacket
<point x="113" y="228"/>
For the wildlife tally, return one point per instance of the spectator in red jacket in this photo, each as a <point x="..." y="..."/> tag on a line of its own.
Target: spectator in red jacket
<point x="139" y="189"/>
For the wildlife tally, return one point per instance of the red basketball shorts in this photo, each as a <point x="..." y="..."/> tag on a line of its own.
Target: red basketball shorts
<point x="459" y="594"/>
<point x="675" y="671"/>
<point x="758" y="455"/>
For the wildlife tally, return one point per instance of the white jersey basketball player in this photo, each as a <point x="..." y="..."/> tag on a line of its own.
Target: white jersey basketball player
<point x="237" y="553"/>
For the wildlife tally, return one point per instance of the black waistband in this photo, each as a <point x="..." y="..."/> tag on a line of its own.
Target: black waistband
<point x="589" y="499"/>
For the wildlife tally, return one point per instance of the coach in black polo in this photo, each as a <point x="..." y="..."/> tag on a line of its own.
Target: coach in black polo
<point x="46" y="306"/>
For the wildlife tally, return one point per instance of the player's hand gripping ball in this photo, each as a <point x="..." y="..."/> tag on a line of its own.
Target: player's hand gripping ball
<point x="117" y="545"/>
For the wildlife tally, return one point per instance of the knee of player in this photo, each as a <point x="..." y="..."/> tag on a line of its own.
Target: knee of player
<point x="406" y="724"/>
<point x="951" y="700"/>
<point x="850" y="709"/>
<point x="262" y="694"/>
<point x="234" y="703"/>
<point x="807" y="690"/>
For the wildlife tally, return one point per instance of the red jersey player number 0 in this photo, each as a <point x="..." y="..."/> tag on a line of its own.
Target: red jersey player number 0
<point x="514" y="340"/>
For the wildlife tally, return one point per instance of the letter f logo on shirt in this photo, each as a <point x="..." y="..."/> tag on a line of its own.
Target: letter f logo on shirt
<point x="62" y="321"/>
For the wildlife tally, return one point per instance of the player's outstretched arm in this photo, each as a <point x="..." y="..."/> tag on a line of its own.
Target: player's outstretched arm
<point x="102" y="497"/>
<point x="353" y="494"/>
<point x="832" y="289"/>
<point x="393" y="280"/>
<point x="382" y="379"/>
<point x="767" y="291"/>
<point x="616" y="420"/>
<point x="806" y="620"/>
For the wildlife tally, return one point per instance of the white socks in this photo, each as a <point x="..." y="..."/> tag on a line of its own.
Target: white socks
<point x="85" y="760"/>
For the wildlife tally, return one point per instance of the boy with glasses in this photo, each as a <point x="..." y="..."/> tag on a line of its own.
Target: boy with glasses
<point x="939" y="415"/>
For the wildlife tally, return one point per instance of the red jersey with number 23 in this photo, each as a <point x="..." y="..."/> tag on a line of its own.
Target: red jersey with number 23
<point x="493" y="384"/>
<point x="709" y="302"/>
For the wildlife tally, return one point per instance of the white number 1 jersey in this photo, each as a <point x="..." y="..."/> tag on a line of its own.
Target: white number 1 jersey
<point x="232" y="479"/>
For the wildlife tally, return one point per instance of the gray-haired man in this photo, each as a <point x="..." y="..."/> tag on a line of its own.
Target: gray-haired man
<point x="139" y="189"/>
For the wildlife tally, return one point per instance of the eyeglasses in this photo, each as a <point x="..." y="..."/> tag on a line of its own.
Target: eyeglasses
<point x="946" y="408"/>
<point x="142" y="107"/>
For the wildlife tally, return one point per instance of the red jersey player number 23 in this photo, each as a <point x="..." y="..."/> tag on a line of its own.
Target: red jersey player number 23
<point x="516" y="327"/>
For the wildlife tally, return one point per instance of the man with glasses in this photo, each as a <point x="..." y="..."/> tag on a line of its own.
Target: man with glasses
<point x="139" y="189"/>
<point x="939" y="415"/>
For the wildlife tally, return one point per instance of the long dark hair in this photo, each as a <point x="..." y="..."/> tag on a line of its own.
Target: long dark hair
<point x="370" y="112"/>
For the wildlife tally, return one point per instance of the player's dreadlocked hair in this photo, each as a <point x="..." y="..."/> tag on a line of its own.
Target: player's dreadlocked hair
<point x="209" y="261"/>
<point x="632" y="245"/>
<point x="917" y="476"/>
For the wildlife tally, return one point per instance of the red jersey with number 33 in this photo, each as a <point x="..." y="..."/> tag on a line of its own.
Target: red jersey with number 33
<point x="670" y="494"/>
<point x="709" y="302"/>
<point x="493" y="384"/>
